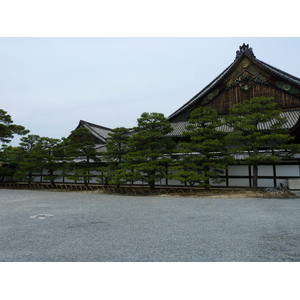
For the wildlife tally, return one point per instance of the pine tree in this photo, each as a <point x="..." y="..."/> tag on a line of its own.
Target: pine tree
<point x="40" y="154"/>
<point x="80" y="155"/>
<point x="49" y="153"/>
<point x="8" y="129"/>
<point x="116" y="145"/>
<point x="149" y="149"/>
<point x="10" y="158"/>
<point x="257" y="131"/>
<point x="204" y="155"/>
<point x="30" y="162"/>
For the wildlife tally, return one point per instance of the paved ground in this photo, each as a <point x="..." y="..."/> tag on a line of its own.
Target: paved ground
<point x="65" y="226"/>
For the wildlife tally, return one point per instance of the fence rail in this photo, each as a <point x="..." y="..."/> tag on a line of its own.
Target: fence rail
<point x="145" y="191"/>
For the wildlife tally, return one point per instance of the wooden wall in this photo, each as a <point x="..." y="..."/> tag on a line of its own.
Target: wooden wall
<point x="230" y="97"/>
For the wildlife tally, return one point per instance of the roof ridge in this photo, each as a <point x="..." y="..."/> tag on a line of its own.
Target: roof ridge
<point x="93" y="128"/>
<point x="95" y="125"/>
<point x="206" y="88"/>
<point x="279" y="72"/>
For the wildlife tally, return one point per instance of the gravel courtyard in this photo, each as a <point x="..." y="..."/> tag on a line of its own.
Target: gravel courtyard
<point x="40" y="226"/>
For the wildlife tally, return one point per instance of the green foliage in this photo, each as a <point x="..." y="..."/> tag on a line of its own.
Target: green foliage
<point x="204" y="155"/>
<point x="116" y="145"/>
<point x="30" y="162"/>
<point x="37" y="154"/>
<point x="8" y="129"/>
<point x="80" y="143"/>
<point x="145" y="153"/>
<point x="80" y="154"/>
<point x="49" y="153"/>
<point x="10" y="157"/>
<point x="149" y="149"/>
<point x="257" y="125"/>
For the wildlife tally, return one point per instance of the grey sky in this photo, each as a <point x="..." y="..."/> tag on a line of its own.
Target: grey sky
<point x="49" y="84"/>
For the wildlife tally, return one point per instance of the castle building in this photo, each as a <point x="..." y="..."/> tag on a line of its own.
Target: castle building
<point x="245" y="78"/>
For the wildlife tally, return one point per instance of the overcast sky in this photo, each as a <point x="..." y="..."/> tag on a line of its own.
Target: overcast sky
<point x="49" y="84"/>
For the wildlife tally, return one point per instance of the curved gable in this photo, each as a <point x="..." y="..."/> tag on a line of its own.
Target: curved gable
<point x="245" y="78"/>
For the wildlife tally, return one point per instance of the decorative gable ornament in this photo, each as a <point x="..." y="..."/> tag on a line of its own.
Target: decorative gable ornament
<point x="244" y="49"/>
<point x="245" y="81"/>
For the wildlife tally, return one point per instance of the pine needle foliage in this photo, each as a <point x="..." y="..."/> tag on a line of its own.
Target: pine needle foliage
<point x="149" y="149"/>
<point x="8" y="128"/>
<point x="80" y="155"/>
<point x="258" y="132"/>
<point x="204" y="156"/>
<point x="116" y="145"/>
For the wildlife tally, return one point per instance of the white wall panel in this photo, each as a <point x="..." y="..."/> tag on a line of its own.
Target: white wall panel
<point x="174" y="182"/>
<point x="287" y="170"/>
<point x="265" y="183"/>
<point x="243" y="182"/>
<point x="265" y="170"/>
<point x="282" y="181"/>
<point x="238" y="170"/>
<point x="218" y="184"/>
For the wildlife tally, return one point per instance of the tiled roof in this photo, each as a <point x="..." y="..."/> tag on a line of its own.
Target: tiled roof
<point x="280" y="73"/>
<point x="100" y="148"/>
<point x="244" y="155"/>
<point x="99" y="132"/>
<point x="178" y="128"/>
<point x="291" y="115"/>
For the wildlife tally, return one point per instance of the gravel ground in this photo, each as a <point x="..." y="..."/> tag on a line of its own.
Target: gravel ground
<point x="41" y="226"/>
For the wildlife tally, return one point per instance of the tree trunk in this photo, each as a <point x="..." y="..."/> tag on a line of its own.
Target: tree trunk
<point x="50" y="174"/>
<point x="206" y="184"/>
<point x="151" y="185"/>
<point x="206" y="181"/>
<point x="86" y="181"/>
<point x="255" y="169"/>
<point x="255" y="175"/>
<point x="151" y="180"/>
<point x="29" y="177"/>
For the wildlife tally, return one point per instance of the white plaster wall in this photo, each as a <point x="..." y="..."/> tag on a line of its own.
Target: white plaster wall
<point x="174" y="182"/>
<point x="282" y="181"/>
<point x="287" y="170"/>
<point x="265" y="183"/>
<point x="218" y="184"/>
<point x="242" y="182"/>
<point x="238" y="170"/>
<point x="265" y="170"/>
